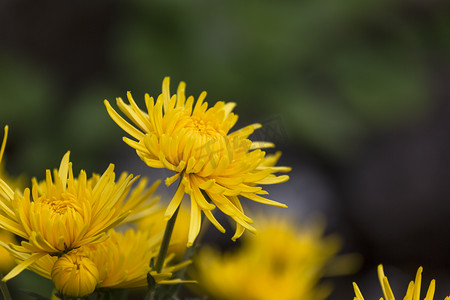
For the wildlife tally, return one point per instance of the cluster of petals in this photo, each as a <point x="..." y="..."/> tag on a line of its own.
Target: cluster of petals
<point x="63" y="213"/>
<point x="194" y="141"/>
<point x="412" y="293"/>
<point x="121" y="261"/>
<point x="74" y="275"/>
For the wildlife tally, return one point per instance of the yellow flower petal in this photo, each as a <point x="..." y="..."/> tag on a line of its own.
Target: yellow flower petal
<point x="5" y="137"/>
<point x="358" y="294"/>
<point x="22" y="266"/>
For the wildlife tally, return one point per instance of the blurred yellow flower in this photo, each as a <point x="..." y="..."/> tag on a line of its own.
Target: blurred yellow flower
<point x="195" y="143"/>
<point x="412" y="293"/>
<point x="6" y="261"/>
<point x="121" y="261"/>
<point x="63" y="213"/>
<point x="282" y="261"/>
<point x="155" y="223"/>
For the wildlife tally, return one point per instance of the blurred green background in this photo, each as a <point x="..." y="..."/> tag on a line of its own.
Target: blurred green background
<point x="358" y="92"/>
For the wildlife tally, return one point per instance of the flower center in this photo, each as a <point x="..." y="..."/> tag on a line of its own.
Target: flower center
<point x="210" y="140"/>
<point x="204" y="127"/>
<point x="61" y="205"/>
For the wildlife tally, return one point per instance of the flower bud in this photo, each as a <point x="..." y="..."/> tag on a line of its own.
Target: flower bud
<point x="75" y="275"/>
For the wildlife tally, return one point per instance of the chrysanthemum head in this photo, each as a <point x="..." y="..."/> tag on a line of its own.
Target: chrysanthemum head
<point x="63" y="212"/>
<point x="75" y="275"/>
<point x="59" y="214"/>
<point x="195" y="142"/>
<point x="177" y="135"/>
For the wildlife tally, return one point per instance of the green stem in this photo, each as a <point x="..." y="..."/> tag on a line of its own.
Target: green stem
<point x="165" y="242"/>
<point x="149" y="296"/>
<point x="164" y="247"/>
<point x="4" y="289"/>
<point x="167" y="235"/>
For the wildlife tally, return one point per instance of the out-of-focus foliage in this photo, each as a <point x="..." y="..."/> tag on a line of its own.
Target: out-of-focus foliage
<point x="335" y="71"/>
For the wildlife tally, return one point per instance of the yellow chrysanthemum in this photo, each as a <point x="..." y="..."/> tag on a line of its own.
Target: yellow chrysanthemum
<point x="282" y="262"/>
<point x="75" y="275"/>
<point x="155" y="224"/>
<point x="122" y="261"/>
<point x="412" y="293"/>
<point x="195" y="142"/>
<point x="63" y="213"/>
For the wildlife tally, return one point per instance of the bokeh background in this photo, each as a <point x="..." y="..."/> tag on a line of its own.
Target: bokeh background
<point x="355" y="94"/>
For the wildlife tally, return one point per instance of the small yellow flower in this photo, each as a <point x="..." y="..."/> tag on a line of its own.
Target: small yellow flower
<point x="122" y="261"/>
<point x="282" y="261"/>
<point x="413" y="292"/>
<point x="195" y="142"/>
<point x="75" y="275"/>
<point x="63" y="213"/>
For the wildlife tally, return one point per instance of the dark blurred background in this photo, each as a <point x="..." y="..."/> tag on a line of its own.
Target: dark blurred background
<point x="355" y="94"/>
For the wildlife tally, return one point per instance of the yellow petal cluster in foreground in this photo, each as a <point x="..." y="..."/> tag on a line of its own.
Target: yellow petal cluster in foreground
<point x="63" y="213"/>
<point x="195" y="142"/>
<point x="282" y="261"/>
<point x="121" y="261"/>
<point x="412" y="293"/>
